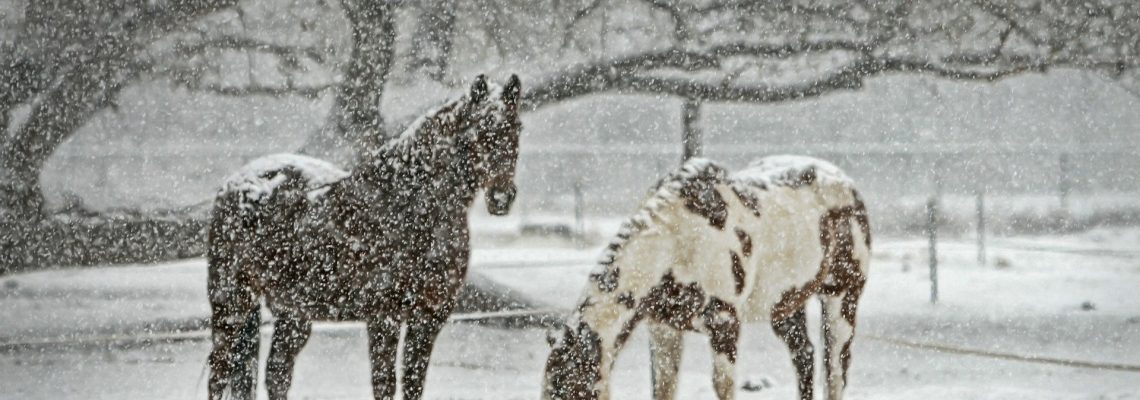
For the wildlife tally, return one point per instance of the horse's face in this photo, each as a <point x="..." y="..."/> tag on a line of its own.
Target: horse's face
<point x="573" y="369"/>
<point x="497" y="128"/>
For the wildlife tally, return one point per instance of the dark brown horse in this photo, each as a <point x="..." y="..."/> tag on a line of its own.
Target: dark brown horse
<point x="387" y="244"/>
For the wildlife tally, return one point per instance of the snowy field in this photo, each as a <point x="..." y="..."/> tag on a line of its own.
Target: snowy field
<point x="1065" y="297"/>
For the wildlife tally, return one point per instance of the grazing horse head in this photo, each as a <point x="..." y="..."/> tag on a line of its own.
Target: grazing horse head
<point x="574" y="368"/>
<point x="494" y="144"/>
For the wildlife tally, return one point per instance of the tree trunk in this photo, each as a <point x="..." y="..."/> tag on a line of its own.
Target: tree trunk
<point x="69" y="87"/>
<point x="433" y="39"/>
<point x="88" y="80"/>
<point x="61" y="111"/>
<point x="356" y="124"/>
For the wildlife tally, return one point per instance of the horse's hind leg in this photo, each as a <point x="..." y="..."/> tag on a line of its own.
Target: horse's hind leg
<point x="234" y="312"/>
<point x="233" y="360"/>
<point x="793" y="330"/>
<point x="665" y="347"/>
<point x="289" y="335"/>
<point x="838" y="333"/>
<point x="234" y="321"/>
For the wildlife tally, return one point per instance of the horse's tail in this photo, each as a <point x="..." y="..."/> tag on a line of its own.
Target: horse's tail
<point x="243" y="376"/>
<point x="859" y="213"/>
<point x="849" y="242"/>
<point x="235" y="312"/>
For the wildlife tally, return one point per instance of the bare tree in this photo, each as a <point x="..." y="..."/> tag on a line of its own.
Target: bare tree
<point x="433" y="39"/>
<point x="763" y="52"/>
<point x="64" y="61"/>
<point x="68" y="60"/>
<point x="356" y="117"/>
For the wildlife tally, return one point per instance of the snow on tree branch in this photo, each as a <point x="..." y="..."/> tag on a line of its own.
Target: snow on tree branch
<point x="975" y="41"/>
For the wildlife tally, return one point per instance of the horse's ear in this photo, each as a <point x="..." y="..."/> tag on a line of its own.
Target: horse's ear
<point x="512" y="90"/>
<point x="479" y="89"/>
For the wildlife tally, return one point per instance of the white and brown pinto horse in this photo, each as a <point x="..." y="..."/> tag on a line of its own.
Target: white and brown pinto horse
<point x="709" y="251"/>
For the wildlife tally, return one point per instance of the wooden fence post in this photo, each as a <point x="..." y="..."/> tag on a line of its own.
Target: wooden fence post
<point x="932" y="233"/>
<point x="932" y="205"/>
<point x="1063" y="180"/>
<point x="980" y="203"/>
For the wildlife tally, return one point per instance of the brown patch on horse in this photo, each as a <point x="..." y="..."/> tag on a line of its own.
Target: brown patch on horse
<point x="626" y="300"/>
<point x="796" y="179"/>
<point x="672" y="303"/>
<point x="794" y="298"/>
<point x="827" y="346"/>
<point x="805" y="178"/>
<point x="845" y="359"/>
<point x="701" y="197"/>
<point x="607" y="280"/>
<point x="737" y="272"/>
<point x="846" y="271"/>
<point x="851" y="300"/>
<point x="723" y="324"/>
<point x="745" y="242"/>
<point x="838" y="260"/>
<point x="587" y="303"/>
<point x="748" y="199"/>
<point x="627" y="329"/>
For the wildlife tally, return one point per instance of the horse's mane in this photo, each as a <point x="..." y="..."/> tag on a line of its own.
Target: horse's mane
<point x="402" y="150"/>
<point x="666" y="191"/>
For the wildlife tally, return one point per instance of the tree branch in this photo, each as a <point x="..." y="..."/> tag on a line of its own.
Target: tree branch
<point x="249" y="44"/>
<point x="631" y="74"/>
<point x="680" y="30"/>
<point x="311" y="92"/>
<point x="581" y="14"/>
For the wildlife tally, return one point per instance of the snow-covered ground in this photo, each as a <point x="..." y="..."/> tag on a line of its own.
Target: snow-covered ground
<point x="1073" y="297"/>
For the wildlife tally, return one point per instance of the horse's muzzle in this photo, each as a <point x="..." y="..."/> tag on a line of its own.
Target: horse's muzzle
<point x="499" y="200"/>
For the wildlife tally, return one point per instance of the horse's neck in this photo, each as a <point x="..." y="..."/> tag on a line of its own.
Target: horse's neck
<point x="447" y="187"/>
<point x="414" y="150"/>
<point x="628" y="268"/>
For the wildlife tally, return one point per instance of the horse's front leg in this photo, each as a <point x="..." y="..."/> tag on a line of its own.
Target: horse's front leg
<point x="418" y="344"/>
<point x="665" y="346"/>
<point x="383" y="338"/>
<point x="289" y="335"/>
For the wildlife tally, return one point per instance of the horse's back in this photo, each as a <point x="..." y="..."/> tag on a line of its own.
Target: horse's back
<point x="830" y="185"/>
<point x="798" y="196"/>
<point x="259" y="178"/>
<point x="262" y="199"/>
